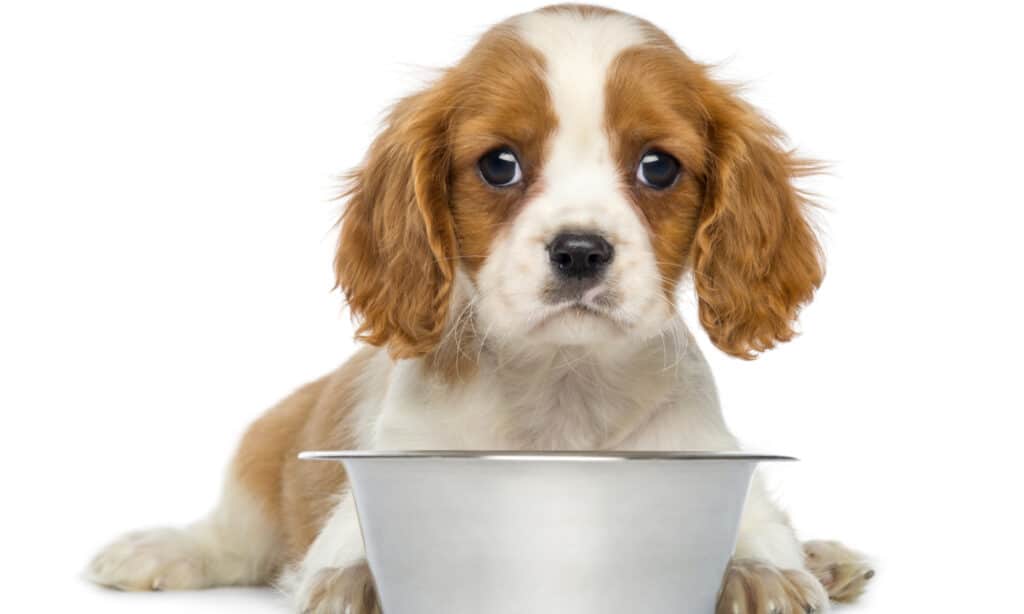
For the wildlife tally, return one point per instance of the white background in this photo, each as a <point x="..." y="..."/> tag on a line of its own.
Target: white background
<point x="166" y="235"/>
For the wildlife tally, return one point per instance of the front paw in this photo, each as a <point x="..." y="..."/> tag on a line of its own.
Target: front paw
<point x="843" y="572"/>
<point x="753" y="587"/>
<point x="158" y="559"/>
<point x="348" y="590"/>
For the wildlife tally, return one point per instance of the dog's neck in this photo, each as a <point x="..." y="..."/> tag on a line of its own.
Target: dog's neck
<point x="568" y="397"/>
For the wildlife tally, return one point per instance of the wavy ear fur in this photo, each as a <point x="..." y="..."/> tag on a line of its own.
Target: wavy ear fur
<point x="397" y="248"/>
<point x="756" y="258"/>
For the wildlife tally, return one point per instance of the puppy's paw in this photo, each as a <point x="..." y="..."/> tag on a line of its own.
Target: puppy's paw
<point x="843" y="572"/>
<point x="160" y="559"/>
<point x="349" y="590"/>
<point x="753" y="587"/>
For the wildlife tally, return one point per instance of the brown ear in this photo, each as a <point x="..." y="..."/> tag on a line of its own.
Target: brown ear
<point x="396" y="252"/>
<point x="756" y="259"/>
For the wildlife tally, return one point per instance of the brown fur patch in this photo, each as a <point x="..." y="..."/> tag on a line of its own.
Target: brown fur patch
<point x="268" y="442"/>
<point x="651" y="104"/>
<point x="297" y="495"/>
<point x="417" y="207"/>
<point x="756" y="258"/>
<point x="396" y="256"/>
<point x="735" y="213"/>
<point x="507" y="105"/>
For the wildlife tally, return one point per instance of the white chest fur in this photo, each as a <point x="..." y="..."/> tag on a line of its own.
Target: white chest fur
<point x="654" y="395"/>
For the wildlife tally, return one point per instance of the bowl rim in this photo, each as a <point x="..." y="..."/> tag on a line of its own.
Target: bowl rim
<point x="536" y="455"/>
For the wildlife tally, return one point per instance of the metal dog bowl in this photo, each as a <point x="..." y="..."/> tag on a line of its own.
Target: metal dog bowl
<point x="459" y="532"/>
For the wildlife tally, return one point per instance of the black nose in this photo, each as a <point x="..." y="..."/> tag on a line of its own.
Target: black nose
<point x="580" y="256"/>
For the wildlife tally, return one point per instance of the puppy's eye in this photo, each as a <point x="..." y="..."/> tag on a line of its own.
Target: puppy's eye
<point x="658" y="170"/>
<point x="500" y="168"/>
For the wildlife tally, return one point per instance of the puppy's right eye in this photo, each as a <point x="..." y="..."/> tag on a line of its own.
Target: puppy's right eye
<point x="658" y="169"/>
<point x="500" y="168"/>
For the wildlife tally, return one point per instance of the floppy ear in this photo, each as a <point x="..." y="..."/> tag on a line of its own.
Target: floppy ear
<point x="396" y="252"/>
<point x="756" y="259"/>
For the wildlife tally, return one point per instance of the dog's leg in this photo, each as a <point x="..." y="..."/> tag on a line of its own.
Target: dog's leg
<point x="235" y="545"/>
<point x="768" y="574"/>
<point x="333" y="576"/>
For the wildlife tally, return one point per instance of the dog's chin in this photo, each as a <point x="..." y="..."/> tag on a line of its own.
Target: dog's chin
<point x="577" y="325"/>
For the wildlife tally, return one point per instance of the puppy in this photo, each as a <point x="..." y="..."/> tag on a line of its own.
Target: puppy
<point x="512" y="246"/>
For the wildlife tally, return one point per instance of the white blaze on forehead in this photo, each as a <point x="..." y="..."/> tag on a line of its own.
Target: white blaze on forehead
<point x="580" y="178"/>
<point x="578" y="50"/>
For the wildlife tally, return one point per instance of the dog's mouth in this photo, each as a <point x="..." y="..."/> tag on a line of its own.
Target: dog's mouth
<point x="583" y="309"/>
<point x="577" y="310"/>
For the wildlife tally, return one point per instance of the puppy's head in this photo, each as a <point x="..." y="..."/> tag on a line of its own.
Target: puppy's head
<point x="561" y="180"/>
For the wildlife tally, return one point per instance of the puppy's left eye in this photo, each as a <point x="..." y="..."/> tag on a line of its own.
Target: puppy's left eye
<point x="658" y="169"/>
<point x="500" y="168"/>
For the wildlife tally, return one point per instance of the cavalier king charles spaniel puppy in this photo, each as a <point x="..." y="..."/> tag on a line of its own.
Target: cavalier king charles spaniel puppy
<point x="512" y="246"/>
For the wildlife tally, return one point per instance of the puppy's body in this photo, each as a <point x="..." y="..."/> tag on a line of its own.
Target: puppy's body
<point x="513" y="244"/>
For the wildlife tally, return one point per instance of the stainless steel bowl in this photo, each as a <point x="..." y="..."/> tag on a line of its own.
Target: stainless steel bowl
<point x="458" y="532"/>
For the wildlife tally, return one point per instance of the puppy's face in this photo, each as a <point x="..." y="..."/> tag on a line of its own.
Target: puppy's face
<point x="566" y="175"/>
<point x="576" y="228"/>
